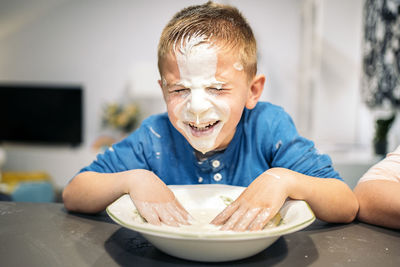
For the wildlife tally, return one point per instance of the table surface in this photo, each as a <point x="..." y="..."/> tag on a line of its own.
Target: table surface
<point x="45" y="234"/>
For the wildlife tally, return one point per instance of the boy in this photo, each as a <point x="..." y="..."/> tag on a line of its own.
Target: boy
<point x="378" y="192"/>
<point x="215" y="132"/>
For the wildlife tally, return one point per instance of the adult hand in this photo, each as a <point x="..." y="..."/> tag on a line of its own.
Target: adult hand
<point x="258" y="203"/>
<point x="155" y="201"/>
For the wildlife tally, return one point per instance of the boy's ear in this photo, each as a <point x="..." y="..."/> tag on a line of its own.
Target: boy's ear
<point x="256" y="88"/>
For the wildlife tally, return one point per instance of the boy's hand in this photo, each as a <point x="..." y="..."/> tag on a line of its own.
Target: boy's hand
<point x="155" y="201"/>
<point x="258" y="203"/>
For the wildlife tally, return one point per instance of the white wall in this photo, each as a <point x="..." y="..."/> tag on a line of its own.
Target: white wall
<point x="109" y="45"/>
<point x="337" y="95"/>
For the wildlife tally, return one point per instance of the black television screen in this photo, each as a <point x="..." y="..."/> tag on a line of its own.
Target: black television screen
<point x="37" y="113"/>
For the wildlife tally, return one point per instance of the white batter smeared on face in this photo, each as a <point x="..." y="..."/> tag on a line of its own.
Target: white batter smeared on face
<point x="164" y="82"/>
<point x="201" y="115"/>
<point x="238" y="66"/>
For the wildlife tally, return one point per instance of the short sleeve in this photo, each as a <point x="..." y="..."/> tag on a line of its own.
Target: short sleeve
<point x="387" y="169"/>
<point x="126" y="155"/>
<point x="292" y="151"/>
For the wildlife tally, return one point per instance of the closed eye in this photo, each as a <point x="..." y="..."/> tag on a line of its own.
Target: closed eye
<point x="180" y="90"/>
<point x="216" y="90"/>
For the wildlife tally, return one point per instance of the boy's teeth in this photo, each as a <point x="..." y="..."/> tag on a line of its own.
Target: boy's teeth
<point x="202" y="127"/>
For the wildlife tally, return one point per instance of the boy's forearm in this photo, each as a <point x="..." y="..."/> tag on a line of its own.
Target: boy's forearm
<point x="379" y="202"/>
<point x="330" y="199"/>
<point x="92" y="192"/>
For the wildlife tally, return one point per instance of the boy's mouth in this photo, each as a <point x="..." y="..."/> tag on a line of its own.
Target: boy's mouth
<point x="202" y="129"/>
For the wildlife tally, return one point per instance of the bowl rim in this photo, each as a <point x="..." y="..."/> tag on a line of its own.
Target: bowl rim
<point x="152" y="230"/>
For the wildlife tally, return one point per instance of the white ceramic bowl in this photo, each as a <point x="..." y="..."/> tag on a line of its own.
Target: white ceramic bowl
<point x="202" y="241"/>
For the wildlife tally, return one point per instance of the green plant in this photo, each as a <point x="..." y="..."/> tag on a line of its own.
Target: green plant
<point x="122" y="117"/>
<point x="382" y="127"/>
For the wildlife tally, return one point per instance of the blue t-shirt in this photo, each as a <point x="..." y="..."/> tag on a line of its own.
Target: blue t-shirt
<point x="265" y="138"/>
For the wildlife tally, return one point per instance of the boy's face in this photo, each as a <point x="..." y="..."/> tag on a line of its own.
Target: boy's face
<point x="206" y="91"/>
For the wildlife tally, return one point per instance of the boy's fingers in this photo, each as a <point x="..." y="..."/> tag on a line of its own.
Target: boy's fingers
<point x="146" y="211"/>
<point x="225" y="214"/>
<point x="171" y="213"/>
<point x="236" y="216"/>
<point x="246" y="219"/>
<point x="174" y="211"/>
<point x="182" y="211"/>
<point x="165" y="215"/>
<point x="261" y="220"/>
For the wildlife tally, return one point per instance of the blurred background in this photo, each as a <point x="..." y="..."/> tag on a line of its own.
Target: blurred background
<point x="91" y="66"/>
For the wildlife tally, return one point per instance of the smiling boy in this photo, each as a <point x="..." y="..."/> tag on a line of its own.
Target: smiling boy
<point x="206" y="90"/>
<point x="214" y="132"/>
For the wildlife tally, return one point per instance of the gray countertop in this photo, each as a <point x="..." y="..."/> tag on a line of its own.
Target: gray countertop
<point x="45" y="234"/>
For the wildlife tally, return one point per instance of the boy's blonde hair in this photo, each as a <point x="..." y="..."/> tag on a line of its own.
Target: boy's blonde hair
<point x="221" y="24"/>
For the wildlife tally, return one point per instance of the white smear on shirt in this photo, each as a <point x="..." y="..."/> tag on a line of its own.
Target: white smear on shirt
<point x="154" y="132"/>
<point x="278" y="144"/>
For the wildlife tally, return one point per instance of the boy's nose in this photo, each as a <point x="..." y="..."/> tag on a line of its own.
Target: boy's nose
<point x="198" y="102"/>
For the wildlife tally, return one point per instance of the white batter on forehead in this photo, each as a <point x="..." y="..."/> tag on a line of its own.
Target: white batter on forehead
<point x="197" y="62"/>
<point x="200" y="107"/>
